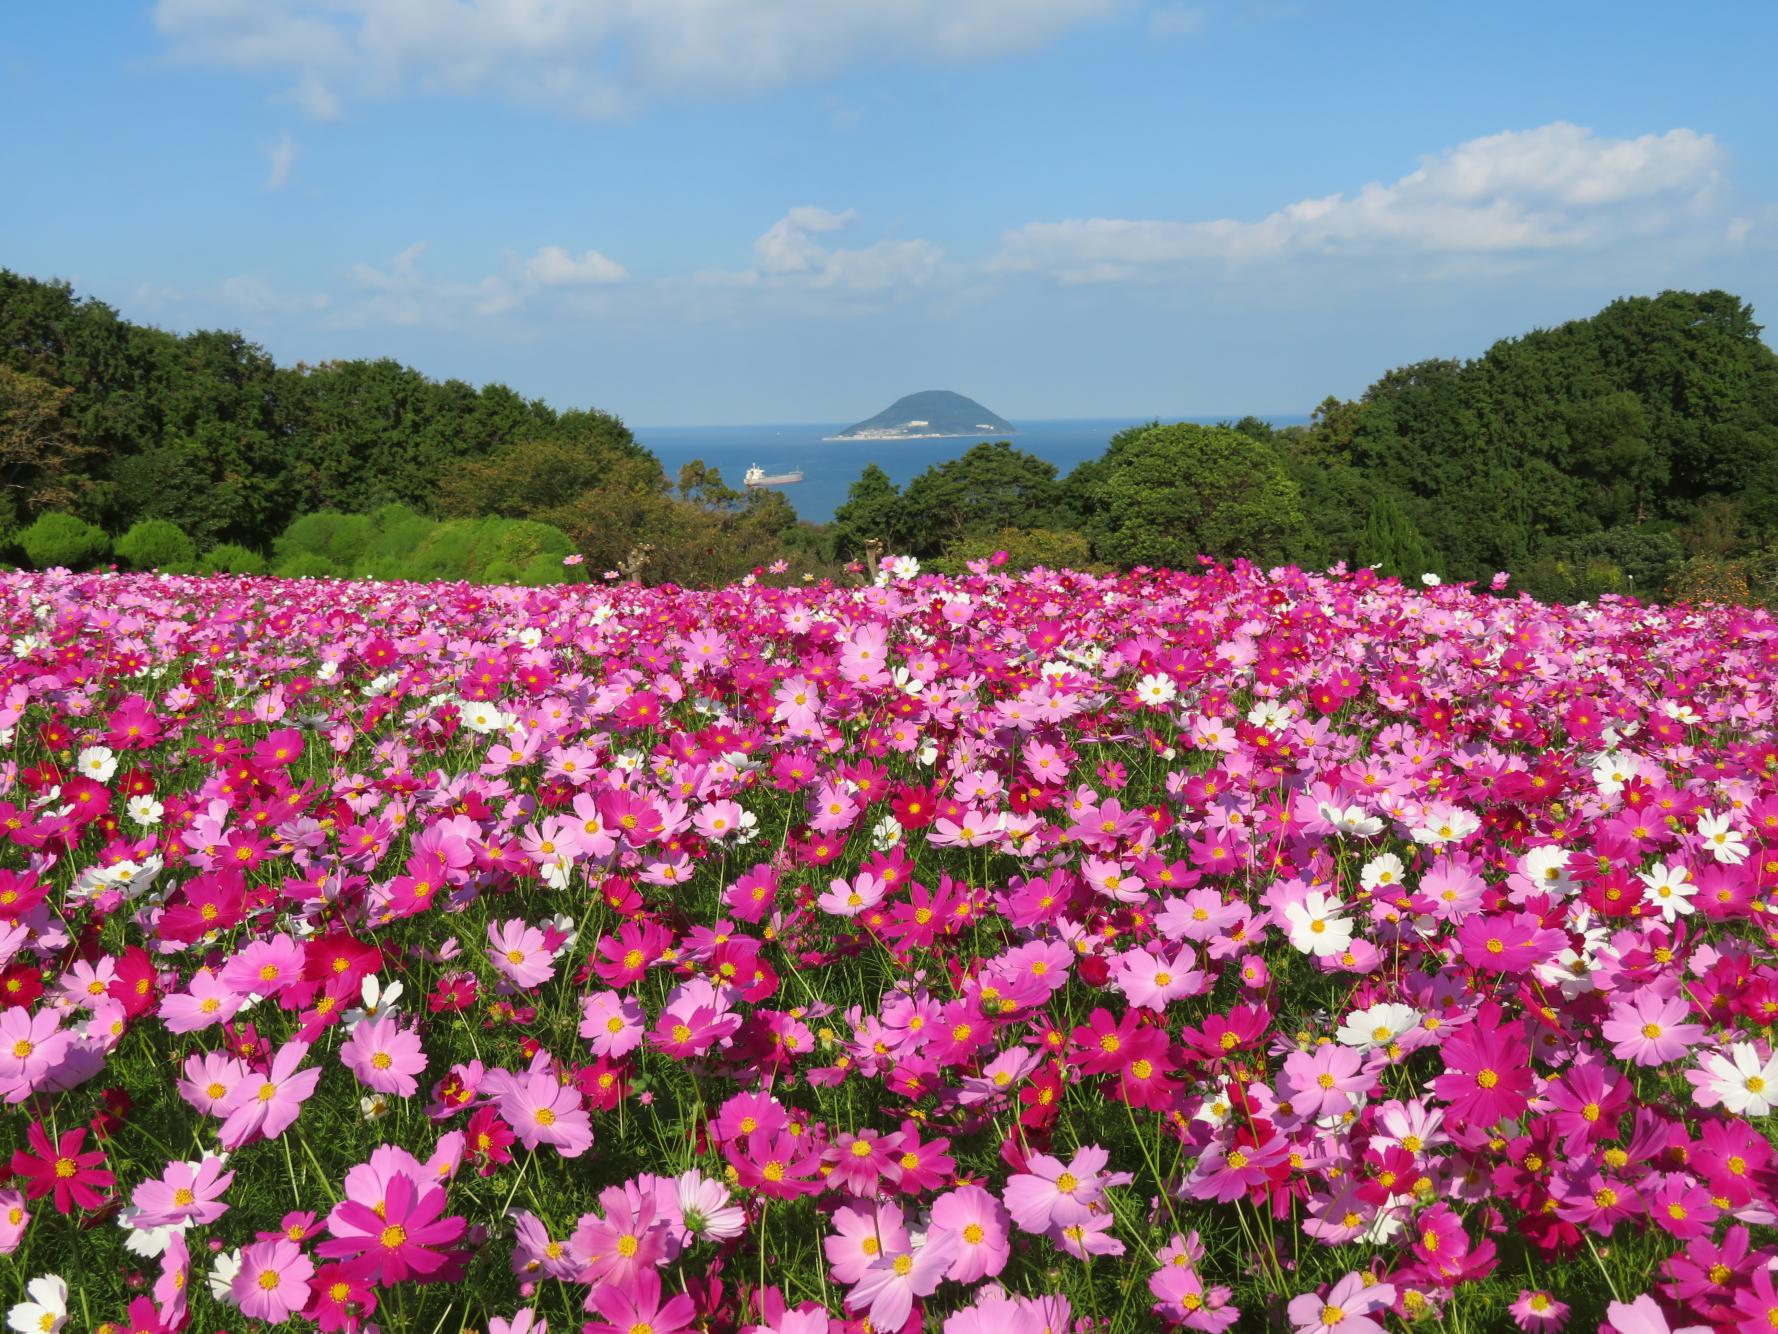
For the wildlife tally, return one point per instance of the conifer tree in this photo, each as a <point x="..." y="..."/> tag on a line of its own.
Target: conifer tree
<point x="1392" y="543"/>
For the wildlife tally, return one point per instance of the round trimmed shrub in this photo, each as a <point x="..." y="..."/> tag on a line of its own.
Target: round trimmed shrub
<point x="63" y="540"/>
<point x="157" y="544"/>
<point x="306" y="565"/>
<point x="231" y="558"/>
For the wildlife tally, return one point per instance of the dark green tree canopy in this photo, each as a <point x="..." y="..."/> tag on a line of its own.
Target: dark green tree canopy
<point x="1171" y="493"/>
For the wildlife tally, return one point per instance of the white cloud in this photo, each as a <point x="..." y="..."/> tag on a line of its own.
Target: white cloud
<point x="1555" y="188"/>
<point x="401" y="292"/>
<point x="282" y="155"/>
<point x="787" y="255"/>
<point x="553" y="266"/>
<point x="592" y="57"/>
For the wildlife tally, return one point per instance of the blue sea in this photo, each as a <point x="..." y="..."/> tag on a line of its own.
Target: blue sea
<point x="831" y="466"/>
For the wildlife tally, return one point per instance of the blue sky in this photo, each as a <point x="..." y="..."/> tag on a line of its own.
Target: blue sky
<point x="701" y="211"/>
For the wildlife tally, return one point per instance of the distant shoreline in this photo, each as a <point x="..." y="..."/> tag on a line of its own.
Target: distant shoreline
<point x="877" y="436"/>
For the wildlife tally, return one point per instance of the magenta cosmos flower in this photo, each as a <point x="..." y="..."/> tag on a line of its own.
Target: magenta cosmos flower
<point x="61" y="1169"/>
<point x="401" y="1240"/>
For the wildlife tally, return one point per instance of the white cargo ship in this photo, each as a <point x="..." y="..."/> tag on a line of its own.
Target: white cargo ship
<point x="758" y="476"/>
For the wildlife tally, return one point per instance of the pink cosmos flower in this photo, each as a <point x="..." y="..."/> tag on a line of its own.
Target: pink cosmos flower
<point x="272" y="1283"/>
<point x="629" y="1239"/>
<point x="1054" y="1193"/>
<point x="385" y="1057"/>
<point x="32" y="1045"/>
<point x="519" y="953"/>
<point x="206" y="1001"/>
<point x="1651" y="1030"/>
<point x="173" y="1282"/>
<point x="1644" y="1316"/>
<point x="1346" y="1309"/>
<point x="266" y="1105"/>
<point x="1320" y="1083"/>
<point x="630" y="1307"/>
<point x="892" y="1281"/>
<point x="978" y="1223"/>
<point x="264" y="967"/>
<point x="14" y="1218"/>
<point x="185" y="1193"/>
<point x="542" y="1110"/>
<point x="210" y="1077"/>
<point x="861" y="1237"/>
<point x="612" y="1023"/>
<point x="704" y="1208"/>
<point x="401" y="1240"/>
<point x="1536" y="1310"/>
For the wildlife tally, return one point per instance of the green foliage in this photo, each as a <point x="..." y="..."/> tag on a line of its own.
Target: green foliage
<point x="231" y="558"/>
<point x="992" y="486"/>
<point x="57" y="539"/>
<point x="1392" y="544"/>
<point x="1172" y="492"/>
<point x="341" y="540"/>
<point x="155" y="544"/>
<point x="1655" y="410"/>
<point x="119" y="422"/>
<point x="395" y="542"/>
<point x="874" y="508"/>
<point x="1025" y="548"/>
<point x="305" y="565"/>
<point x="1643" y="559"/>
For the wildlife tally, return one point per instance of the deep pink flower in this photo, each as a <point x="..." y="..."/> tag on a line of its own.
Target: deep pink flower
<point x="399" y="1242"/>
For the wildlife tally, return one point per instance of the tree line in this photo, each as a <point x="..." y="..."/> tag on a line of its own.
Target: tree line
<point x="1635" y="451"/>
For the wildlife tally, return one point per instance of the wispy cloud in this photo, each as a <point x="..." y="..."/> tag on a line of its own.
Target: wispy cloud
<point x="592" y="59"/>
<point x="282" y="155"/>
<point x="1559" y="187"/>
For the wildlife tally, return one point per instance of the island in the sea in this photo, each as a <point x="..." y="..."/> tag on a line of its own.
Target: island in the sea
<point x="931" y="414"/>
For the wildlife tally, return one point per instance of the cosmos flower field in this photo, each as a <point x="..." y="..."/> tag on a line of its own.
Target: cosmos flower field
<point x="1232" y="949"/>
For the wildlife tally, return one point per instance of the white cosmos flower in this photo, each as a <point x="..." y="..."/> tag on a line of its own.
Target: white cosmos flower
<point x="1723" y="840"/>
<point x="1547" y="868"/>
<point x="1157" y="689"/>
<point x="1351" y="820"/>
<point x="97" y="763"/>
<point x="1316" y="926"/>
<point x="46" y="1311"/>
<point x="1670" y="889"/>
<point x="145" y="810"/>
<point x="1377" y="1025"/>
<point x="375" y="999"/>
<point x="1740" y="1081"/>
<point x="222" y="1276"/>
<point x="1383" y="871"/>
<point x="1612" y="771"/>
<point x="1272" y="714"/>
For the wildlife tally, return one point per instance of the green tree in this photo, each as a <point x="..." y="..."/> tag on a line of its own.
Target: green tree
<point x="991" y="486"/>
<point x="873" y="508"/>
<point x="1174" y="492"/>
<point x="39" y="452"/>
<point x="1391" y="543"/>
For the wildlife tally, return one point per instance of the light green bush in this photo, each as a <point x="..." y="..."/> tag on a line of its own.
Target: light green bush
<point x="157" y="544"/>
<point x="63" y="540"/>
